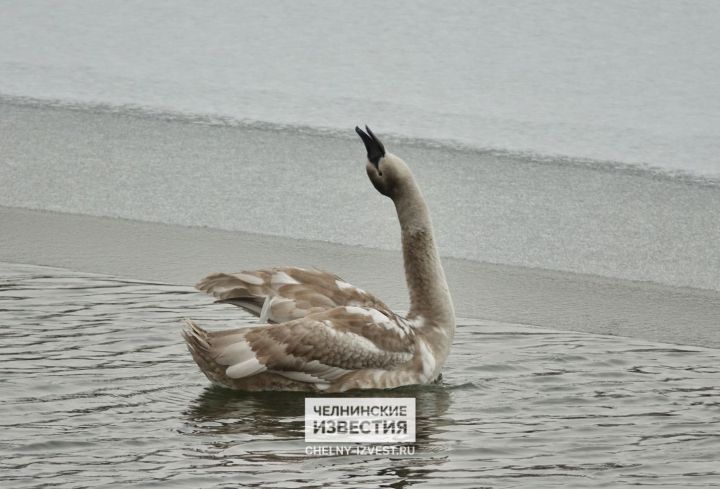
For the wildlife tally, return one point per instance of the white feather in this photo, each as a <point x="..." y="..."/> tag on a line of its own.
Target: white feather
<point x="245" y="369"/>
<point x="429" y="364"/>
<point x="282" y="278"/>
<point x="251" y="279"/>
<point x="380" y="319"/>
<point x="236" y="353"/>
<point x="377" y="316"/>
<point x="373" y="314"/>
<point x="319" y="383"/>
<point x="265" y="312"/>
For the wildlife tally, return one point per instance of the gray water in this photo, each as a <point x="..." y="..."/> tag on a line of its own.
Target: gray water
<point x="97" y="388"/>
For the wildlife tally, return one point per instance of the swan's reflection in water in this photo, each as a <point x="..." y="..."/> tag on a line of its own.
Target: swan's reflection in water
<point x="281" y="414"/>
<point x="270" y="427"/>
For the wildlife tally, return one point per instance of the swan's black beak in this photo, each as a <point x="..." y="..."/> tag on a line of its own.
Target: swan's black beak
<point x="375" y="149"/>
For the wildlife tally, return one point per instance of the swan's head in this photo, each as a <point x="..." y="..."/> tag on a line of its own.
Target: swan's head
<point x="388" y="173"/>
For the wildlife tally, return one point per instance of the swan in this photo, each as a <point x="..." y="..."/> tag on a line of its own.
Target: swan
<point x="318" y="332"/>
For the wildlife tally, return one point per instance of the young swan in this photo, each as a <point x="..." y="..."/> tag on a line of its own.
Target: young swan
<point x="318" y="332"/>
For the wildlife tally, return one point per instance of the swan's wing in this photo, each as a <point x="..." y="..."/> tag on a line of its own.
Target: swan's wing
<point x="278" y="295"/>
<point x="317" y="349"/>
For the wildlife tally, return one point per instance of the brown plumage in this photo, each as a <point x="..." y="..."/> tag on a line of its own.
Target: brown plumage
<point x="319" y="333"/>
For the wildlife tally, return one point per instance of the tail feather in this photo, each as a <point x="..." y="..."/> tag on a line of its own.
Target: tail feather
<point x="199" y="343"/>
<point x="208" y="349"/>
<point x="195" y="337"/>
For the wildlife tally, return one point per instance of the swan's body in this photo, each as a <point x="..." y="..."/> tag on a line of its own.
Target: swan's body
<point x="320" y="333"/>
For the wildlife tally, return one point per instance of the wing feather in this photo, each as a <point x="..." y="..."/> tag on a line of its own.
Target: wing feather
<point x="284" y="294"/>
<point x="316" y="349"/>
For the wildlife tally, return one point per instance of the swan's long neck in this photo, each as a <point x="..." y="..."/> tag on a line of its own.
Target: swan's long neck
<point x="429" y="294"/>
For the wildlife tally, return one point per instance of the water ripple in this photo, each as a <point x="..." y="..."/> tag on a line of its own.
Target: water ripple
<point x="96" y="388"/>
